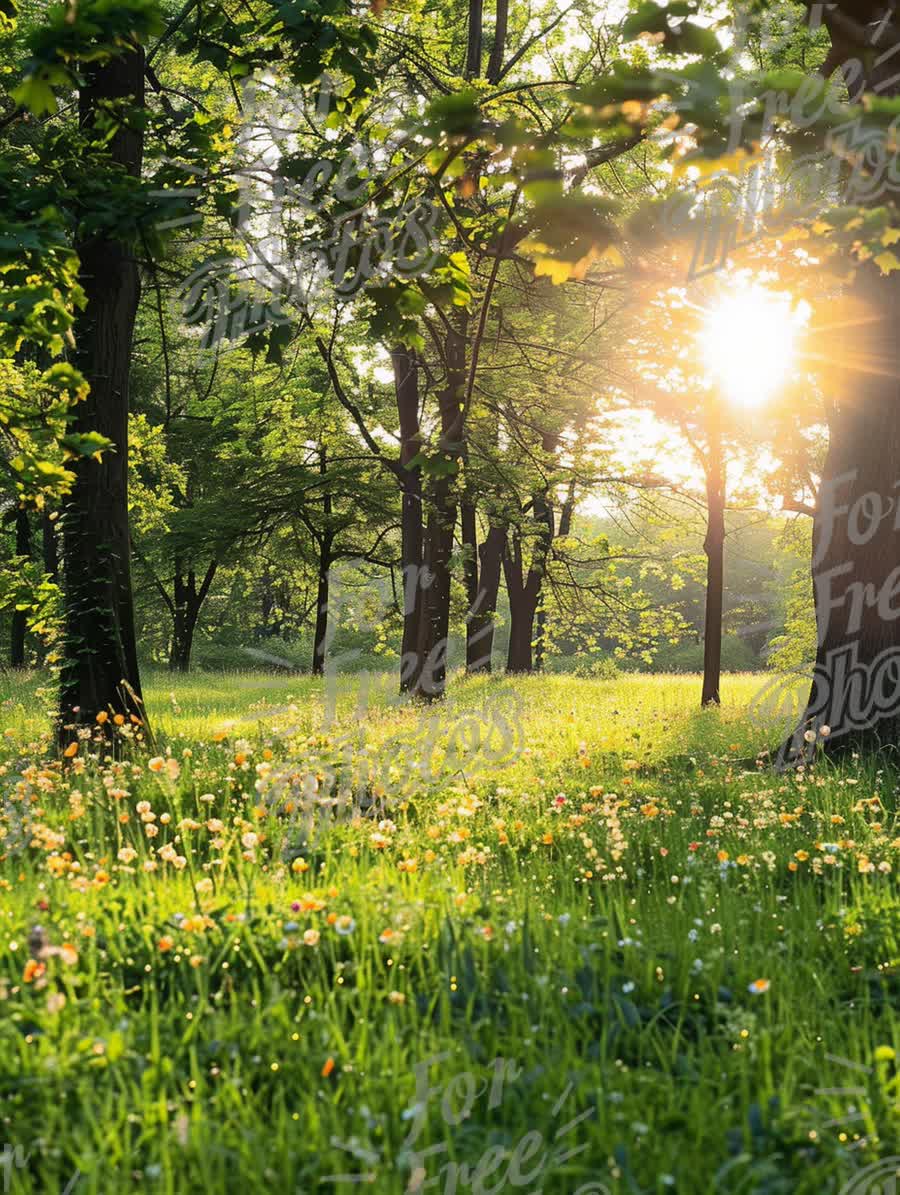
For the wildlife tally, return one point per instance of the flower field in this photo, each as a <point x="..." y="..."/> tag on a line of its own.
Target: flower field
<point x="560" y="935"/>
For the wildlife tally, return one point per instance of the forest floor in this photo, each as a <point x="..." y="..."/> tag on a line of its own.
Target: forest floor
<point x="557" y="936"/>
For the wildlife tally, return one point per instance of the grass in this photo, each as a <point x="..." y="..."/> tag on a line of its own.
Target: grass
<point x="556" y="936"/>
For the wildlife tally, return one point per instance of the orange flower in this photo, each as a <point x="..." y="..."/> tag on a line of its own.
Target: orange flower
<point x="102" y="717"/>
<point x="165" y="943"/>
<point x="327" y="1068"/>
<point x="33" y="970"/>
<point x="71" y="751"/>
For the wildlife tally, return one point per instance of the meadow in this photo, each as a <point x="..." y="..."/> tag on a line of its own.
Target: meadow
<point x="560" y="935"/>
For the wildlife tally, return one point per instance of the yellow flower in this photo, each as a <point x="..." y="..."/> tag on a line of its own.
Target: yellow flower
<point x="885" y="1054"/>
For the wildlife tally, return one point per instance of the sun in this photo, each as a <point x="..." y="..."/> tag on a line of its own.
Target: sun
<point x="748" y="341"/>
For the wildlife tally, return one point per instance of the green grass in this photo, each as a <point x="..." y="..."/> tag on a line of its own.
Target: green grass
<point x="529" y="930"/>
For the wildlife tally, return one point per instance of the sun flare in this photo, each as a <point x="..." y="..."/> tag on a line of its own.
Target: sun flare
<point x="749" y="343"/>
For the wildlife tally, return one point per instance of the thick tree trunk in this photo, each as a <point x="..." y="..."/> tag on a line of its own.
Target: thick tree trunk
<point x="406" y="387"/>
<point x="714" y="547"/>
<point x="100" y="669"/>
<point x="855" y="690"/>
<point x="19" y="627"/>
<point x="523" y="595"/>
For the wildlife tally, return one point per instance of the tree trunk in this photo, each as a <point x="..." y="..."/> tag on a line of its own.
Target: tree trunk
<point x="434" y="626"/>
<point x="100" y="669"/>
<point x="50" y="547"/>
<point x="469" y="533"/>
<point x="523" y="598"/>
<point x="480" y="624"/>
<point x="473" y="45"/>
<point x="406" y="386"/>
<point x="495" y="63"/>
<point x="19" y="627"/>
<point x="186" y="612"/>
<point x="855" y="691"/>
<point x="320" y="643"/>
<point x="714" y="547"/>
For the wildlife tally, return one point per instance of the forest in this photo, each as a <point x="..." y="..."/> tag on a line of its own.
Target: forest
<point x="449" y="547"/>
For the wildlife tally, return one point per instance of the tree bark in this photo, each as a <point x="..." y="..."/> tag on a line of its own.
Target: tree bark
<point x="406" y="386"/>
<point x="320" y="643"/>
<point x="50" y="547"/>
<point x="19" y="628"/>
<point x="855" y="690"/>
<point x="714" y="547"/>
<point x="523" y="595"/>
<point x="495" y="62"/>
<point x="480" y="626"/>
<point x="186" y="612"/>
<point x="434" y="625"/>
<point x="473" y="45"/>
<point x="100" y="669"/>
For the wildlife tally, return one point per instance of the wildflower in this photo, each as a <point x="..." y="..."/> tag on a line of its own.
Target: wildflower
<point x="299" y="866"/>
<point x="759" y="986"/>
<point x="56" y="1001"/>
<point x="33" y="970"/>
<point x="311" y="937"/>
<point x="885" y="1054"/>
<point x="397" y="997"/>
<point x="165" y="944"/>
<point x="327" y="1068"/>
<point x="71" y="751"/>
<point x="102" y="717"/>
<point x="345" y="925"/>
<point x="156" y="764"/>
